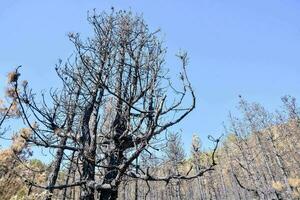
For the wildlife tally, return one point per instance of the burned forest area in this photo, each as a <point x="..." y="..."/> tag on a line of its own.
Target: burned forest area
<point x="110" y="130"/>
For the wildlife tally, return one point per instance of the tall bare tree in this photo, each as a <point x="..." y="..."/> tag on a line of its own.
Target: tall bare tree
<point x="122" y="65"/>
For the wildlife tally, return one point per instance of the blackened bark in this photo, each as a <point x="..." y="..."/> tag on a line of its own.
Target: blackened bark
<point x="56" y="166"/>
<point x="111" y="194"/>
<point x="88" y="168"/>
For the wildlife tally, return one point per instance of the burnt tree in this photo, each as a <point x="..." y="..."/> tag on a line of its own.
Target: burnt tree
<point x="115" y="99"/>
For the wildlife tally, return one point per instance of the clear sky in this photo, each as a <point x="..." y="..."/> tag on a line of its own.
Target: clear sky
<point x="235" y="47"/>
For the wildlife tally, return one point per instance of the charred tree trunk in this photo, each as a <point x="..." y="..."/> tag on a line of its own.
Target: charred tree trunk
<point x="56" y="167"/>
<point x="68" y="176"/>
<point x="89" y="153"/>
<point x="110" y="175"/>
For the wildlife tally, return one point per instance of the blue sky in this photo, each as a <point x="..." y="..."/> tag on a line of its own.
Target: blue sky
<point x="235" y="47"/>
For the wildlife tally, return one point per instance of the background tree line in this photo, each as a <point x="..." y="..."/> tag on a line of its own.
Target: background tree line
<point x="258" y="158"/>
